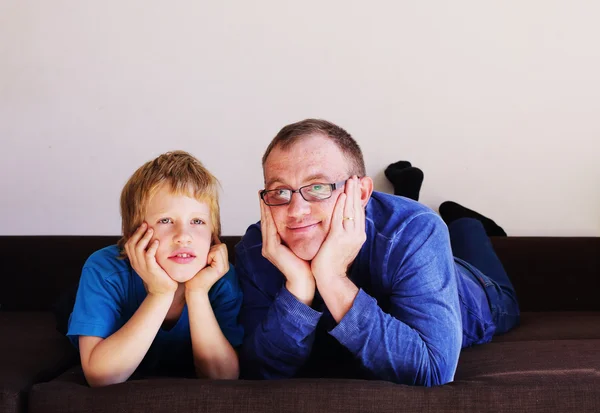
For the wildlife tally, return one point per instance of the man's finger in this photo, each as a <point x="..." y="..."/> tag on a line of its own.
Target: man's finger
<point x="337" y="218"/>
<point x="349" y="206"/>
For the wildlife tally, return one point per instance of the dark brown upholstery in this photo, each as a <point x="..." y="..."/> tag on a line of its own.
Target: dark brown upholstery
<point x="566" y="325"/>
<point x="550" y="363"/>
<point x="551" y="393"/>
<point x="31" y="351"/>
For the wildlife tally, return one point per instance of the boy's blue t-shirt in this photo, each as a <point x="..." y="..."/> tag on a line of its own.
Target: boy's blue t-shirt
<point x="110" y="292"/>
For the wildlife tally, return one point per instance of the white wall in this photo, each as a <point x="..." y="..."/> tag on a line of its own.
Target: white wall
<point x="498" y="102"/>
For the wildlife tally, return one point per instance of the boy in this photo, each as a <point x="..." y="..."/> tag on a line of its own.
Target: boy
<point x="164" y="299"/>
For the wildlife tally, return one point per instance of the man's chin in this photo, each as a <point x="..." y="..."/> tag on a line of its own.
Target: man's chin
<point x="304" y="252"/>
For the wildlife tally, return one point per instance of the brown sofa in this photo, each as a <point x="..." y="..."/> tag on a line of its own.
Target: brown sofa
<point x="550" y="363"/>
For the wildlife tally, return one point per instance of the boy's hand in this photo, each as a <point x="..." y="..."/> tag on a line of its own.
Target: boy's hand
<point x="143" y="261"/>
<point x="217" y="265"/>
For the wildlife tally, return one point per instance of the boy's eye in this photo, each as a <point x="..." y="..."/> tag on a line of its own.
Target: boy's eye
<point x="197" y="221"/>
<point x="165" y="221"/>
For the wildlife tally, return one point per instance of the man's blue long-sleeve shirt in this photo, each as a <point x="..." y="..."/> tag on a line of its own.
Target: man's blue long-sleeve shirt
<point x="415" y="308"/>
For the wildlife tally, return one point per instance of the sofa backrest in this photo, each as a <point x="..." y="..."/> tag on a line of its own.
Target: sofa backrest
<point x="549" y="273"/>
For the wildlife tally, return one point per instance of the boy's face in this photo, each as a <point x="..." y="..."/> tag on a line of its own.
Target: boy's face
<point x="183" y="228"/>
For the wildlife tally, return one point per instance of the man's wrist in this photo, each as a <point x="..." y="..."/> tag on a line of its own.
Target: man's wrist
<point x="329" y="276"/>
<point x="302" y="289"/>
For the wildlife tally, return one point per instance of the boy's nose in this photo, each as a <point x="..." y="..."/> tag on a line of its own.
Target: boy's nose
<point x="182" y="237"/>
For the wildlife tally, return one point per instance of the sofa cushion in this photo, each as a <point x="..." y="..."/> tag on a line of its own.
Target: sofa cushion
<point x="31" y="350"/>
<point x="314" y="395"/>
<point x="531" y="361"/>
<point x="566" y="325"/>
<point x="559" y="375"/>
<point x="552" y="273"/>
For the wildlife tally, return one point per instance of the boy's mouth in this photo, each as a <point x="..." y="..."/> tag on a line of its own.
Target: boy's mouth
<point x="182" y="257"/>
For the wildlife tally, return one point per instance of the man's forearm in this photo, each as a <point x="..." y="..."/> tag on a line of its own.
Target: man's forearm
<point x="338" y="293"/>
<point x="392" y="350"/>
<point x="115" y="358"/>
<point x="281" y="343"/>
<point x="214" y="357"/>
<point x="303" y="289"/>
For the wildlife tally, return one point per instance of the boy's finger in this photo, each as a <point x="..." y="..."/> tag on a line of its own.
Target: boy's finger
<point x="138" y="233"/>
<point x="151" y="252"/>
<point x="144" y="242"/>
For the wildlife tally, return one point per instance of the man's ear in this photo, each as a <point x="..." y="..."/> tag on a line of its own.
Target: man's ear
<point x="366" y="189"/>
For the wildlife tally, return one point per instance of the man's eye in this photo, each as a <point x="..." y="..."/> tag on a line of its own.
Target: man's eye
<point x="317" y="187"/>
<point x="197" y="221"/>
<point x="165" y="221"/>
<point x="280" y="193"/>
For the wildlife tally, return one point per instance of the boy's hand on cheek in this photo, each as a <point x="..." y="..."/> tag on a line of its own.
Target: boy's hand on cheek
<point x="217" y="265"/>
<point x="143" y="261"/>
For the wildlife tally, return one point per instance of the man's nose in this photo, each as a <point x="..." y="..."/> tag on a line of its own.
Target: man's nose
<point x="298" y="206"/>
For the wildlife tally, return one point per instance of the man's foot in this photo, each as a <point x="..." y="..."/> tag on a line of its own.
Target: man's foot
<point x="451" y="211"/>
<point x="405" y="178"/>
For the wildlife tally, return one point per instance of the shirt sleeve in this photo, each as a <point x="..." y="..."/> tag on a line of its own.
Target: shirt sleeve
<point x="226" y="300"/>
<point x="280" y="330"/>
<point x="97" y="309"/>
<point x="419" y="341"/>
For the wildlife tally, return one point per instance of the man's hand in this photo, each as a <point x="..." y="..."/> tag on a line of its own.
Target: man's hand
<point x="300" y="281"/>
<point x="143" y="261"/>
<point x="346" y="234"/>
<point x="217" y="265"/>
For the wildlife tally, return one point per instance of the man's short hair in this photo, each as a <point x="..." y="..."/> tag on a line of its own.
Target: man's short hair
<point x="183" y="173"/>
<point x="292" y="133"/>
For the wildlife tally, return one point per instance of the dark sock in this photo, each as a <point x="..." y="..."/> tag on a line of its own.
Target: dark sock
<point x="405" y="178"/>
<point x="451" y="211"/>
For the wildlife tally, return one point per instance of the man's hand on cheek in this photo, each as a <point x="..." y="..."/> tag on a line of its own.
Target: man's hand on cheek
<point x="346" y="235"/>
<point x="142" y="256"/>
<point x="217" y="265"/>
<point x="297" y="272"/>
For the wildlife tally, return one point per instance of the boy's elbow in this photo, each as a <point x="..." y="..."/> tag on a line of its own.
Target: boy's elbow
<point x="100" y="378"/>
<point x="102" y="381"/>
<point x="226" y="371"/>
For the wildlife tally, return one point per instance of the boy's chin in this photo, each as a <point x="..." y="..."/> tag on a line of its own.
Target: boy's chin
<point x="183" y="276"/>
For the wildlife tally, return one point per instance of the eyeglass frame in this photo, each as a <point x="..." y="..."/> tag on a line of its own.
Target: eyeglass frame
<point x="334" y="186"/>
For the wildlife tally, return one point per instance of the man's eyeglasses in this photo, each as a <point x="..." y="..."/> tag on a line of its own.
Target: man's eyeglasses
<point x="311" y="193"/>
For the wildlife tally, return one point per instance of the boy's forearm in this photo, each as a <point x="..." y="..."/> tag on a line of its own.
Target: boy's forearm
<point x="214" y="357"/>
<point x="114" y="359"/>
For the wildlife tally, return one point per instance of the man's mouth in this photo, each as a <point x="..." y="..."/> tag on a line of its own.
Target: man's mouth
<point x="302" y="227"/>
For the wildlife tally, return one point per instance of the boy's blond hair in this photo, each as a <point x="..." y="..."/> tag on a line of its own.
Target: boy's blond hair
<point x="183" y="173"/>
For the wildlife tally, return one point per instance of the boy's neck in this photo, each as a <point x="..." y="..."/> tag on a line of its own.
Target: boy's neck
<point x="176" y="308"/>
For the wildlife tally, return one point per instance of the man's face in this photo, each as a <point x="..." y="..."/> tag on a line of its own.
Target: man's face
<point x="302" y="225"/>
<point x="183" y="227"/>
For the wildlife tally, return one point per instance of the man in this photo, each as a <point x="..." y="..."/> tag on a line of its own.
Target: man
<point x="342" y="281"/>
